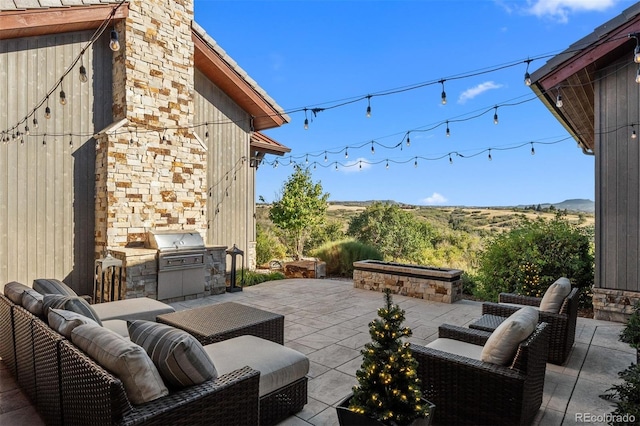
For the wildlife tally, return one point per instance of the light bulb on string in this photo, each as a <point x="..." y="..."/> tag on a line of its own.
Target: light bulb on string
<point x="490" y="158"/>
<point x="26" y="131"/>
<point x="70" y="140"/>
<point x="368" y="106"/>
<point x="638" y="76"/>
<point x="443" y="96"/>
<point x="533" y="151"/>
<point x="450" y="159"/>
<point x="408" y="139"/>
<point x="495" y="115"/>
<point x="306" y="120"/>
<point x="47" y="110"/>
<point x="114" y="44"/>
<point x="346" y="153"/>
<point x="35" y="123"/>
<point x="314" y="165"/>
<point x="559" y="100"/>
<point x="63" y="97"/>
<point x="387" y="165"/>
<point x="306" y="160"/>
<point x="415" y="163"/>
<point x="634" y="135"/>
<point x="83" y="74"/>
<point x="360" y="164"/>
<point x="636" y="51"/>
<point x="373" y="149"/>
<point x="336" y="165"/>
<point x="325" y="156"/>
<point x="448" y="132"/>
<point x="275" y="165"/>
<point x="527" y="76"/>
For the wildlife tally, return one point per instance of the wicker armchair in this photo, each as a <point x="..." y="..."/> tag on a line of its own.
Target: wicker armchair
<point x="562" y="325"/>
<point x="469" y="391"/>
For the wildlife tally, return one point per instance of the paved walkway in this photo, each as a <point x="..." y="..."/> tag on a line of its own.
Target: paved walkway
<point x="328" y="321"/>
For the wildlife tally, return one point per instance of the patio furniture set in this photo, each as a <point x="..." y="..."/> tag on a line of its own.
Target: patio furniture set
<point x="78" y="367"/>
<point x="237" y="370"/>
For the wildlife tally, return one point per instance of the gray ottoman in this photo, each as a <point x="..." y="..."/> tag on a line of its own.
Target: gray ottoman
<point x="141" y="308"/>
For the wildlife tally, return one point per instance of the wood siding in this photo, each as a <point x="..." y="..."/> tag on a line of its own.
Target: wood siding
<point x="47" y="190"/>
<point x="617" y="178"/>
<point x="230" y="180"/>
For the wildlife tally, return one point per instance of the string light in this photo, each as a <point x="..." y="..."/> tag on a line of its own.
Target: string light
<point x="444" y="94"/>
<point x="47" y="110"/>
<point x="495" y="116"/>
<point x="415" y="163"/>
<point x="450" y="159"/>
<point x="490" y="155"/>
<point x="26" y="130"/>
<point x="636" y="50"/>
<point x="408" y="139"/>
<point x="114" y="44"/>
<point x="373" y="149"/>
<point x="325" y="156"/>
<point x="306" y="120"/>
<point x="527" y="76"/>
<point x="559" y="98"/>
<point x="63" y="97"/>
<point x="533" y="150"/>
<point x="387" y="165"/>
<point x="368" y="106"/>
<point x="448" y="133"/>
<point x="633" y="132"/>
<point x="346" y="153"/>
<point x="275" y="165"/>
<point x="638" y="76"/>
<point x="35" y="123"/>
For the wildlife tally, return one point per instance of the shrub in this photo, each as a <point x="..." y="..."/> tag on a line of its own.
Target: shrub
<point x="340" y="255"/>
<point x="626" y="396"/>
<point x="268" y="246"/>
<point x="531" y="256"/>
<point x="253" y="278"/>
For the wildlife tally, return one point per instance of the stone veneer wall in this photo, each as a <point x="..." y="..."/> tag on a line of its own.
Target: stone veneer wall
<point x="151" y="173"/>
<point x="428" y="288"/>
<point x="613" y="305"/>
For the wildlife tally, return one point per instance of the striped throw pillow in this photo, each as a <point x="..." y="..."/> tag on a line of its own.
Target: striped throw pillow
<point x="128" y="361"/>
<point x="180" y="358"/>
<point x="69" y="303"/>
<point x="51" y="286"/>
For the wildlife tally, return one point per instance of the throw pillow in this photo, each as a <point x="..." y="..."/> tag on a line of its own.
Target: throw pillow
<point x="69" y="303"/>
<point x="32" y="301"/>
<point x="51" y="286"/>
<point x="14" y="290"/>
<point x="180" y="358"/>
<point x="555" y="295"/>
<point x="64" y="321"/>
<point x="128" y="361"/>
<point x="502" y="345"/>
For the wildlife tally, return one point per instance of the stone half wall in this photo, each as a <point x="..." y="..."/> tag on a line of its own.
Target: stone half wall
<point x="438" y="285"/>
<point x="613" y="305"/>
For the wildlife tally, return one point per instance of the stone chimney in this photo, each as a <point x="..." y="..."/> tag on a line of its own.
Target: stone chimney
<point x="151" y="168"/>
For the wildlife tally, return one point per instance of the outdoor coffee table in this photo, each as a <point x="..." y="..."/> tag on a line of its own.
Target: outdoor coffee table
<point x="487" y="322"/>
<point x="214" y="323"/>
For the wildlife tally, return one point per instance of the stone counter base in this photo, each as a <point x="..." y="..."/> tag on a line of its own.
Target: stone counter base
<point x="613" y="305"/>
<point x="421" y="288"/>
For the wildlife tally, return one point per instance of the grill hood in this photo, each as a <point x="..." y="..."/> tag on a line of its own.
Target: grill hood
<point x="174" y="240"/>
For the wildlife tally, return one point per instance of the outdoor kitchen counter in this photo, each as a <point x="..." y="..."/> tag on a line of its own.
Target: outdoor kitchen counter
<point x="222" y="321"/>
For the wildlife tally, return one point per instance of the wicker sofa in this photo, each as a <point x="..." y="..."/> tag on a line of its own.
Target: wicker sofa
<point x="470" y="391"/>
<point x="562" y="325"/>
<point x="69" y="388"/>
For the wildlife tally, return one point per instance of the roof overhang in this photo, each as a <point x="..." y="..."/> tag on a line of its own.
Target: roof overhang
<point x="264" y="144"/>
<point x="43" y="21"/>
<point x="572" y="74"/>
<point x="208" y="56"/>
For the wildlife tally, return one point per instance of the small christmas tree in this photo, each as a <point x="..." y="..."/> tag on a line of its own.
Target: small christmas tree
<point x="388" y="387"/>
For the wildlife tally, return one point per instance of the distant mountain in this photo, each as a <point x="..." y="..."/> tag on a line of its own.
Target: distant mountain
<point x="576" y="205"/>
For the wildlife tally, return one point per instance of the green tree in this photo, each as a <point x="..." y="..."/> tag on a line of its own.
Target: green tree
<point x="301" y="209"/>
<point x="398" y="234"/>
<point x="532" y="255"/>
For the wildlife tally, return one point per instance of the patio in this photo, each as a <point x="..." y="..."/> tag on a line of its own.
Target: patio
<point x="328" y="321"/>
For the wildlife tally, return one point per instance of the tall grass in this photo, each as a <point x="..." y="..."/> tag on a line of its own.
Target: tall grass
<point x="340" y="255"/>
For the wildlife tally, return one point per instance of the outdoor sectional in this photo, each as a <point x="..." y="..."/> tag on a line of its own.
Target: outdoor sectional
<point x="68" y="387"/>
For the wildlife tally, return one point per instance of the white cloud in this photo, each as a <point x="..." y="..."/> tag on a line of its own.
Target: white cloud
<point x="560" y="10"/>
<point x="477" y="90"/>
<point x="435" y="198"/>
<point x="357" y="165"/>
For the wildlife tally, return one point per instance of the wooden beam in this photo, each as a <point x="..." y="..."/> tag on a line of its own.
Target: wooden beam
<point x="35" y="22"/>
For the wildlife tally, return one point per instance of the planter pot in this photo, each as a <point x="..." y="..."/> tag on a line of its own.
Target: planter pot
<point x="347" y="417"/>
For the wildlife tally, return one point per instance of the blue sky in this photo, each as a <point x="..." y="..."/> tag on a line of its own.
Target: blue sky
<point x="318" y="54"/>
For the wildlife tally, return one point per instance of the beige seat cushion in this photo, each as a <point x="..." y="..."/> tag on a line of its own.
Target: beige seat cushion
<point x="142" y="308"/>
<point x="64" y="321"/>
<point x="555" y="295"/>
<point x="278" y="365"/>
<point x="117" y="326"/>
<point x="128" y="361"/>
<point x="457" y="347"/>
<point x="14" y="290"/>
<point x="502" y="345"/>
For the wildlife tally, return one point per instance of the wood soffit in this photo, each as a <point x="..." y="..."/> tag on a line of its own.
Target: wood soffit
<point x="574" y="77"/>
<point x="46" y="21"/>
<point x="263" y="143"/>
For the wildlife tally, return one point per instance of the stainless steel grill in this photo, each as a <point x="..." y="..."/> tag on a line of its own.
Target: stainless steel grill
<point x="180" y="262"/>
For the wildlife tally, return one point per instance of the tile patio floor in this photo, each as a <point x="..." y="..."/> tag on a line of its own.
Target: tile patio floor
<point x="327" y="320"/>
